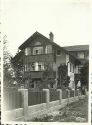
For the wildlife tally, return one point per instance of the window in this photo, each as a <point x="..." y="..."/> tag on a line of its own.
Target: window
<point x="76" y="69"/>
<point x="25" y="67"/>
<point x="37" y="43"/>
<point x="58" y="52"/>
<point x="79" y="68"/>
<point x="37" y="50"/>
<point x="27" y="51"/>
<point x="40" y="66"/>
<point x="80" y="55"/>
<point x="71" y="68"/>
<point x="37" y="66"/>
<point x="33" y="66"/>
<point x="48" y="49"/>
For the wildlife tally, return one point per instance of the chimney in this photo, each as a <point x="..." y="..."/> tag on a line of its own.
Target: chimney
<point x="51" y="36"/>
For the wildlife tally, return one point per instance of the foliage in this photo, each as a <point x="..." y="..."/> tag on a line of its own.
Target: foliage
<point x="48" y="76"/>
<point x="7" y="66"/>
<point x="17" y="64"/>
<point x="48" y="71"/>
<point x="63" y="78"/>
<point x="85" y="74"/>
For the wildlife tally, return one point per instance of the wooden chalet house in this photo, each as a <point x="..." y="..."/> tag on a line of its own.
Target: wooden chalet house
<point x="39" y="54"/>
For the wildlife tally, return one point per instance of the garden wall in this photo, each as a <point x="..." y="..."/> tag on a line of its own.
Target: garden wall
<point x="31" y="110"/>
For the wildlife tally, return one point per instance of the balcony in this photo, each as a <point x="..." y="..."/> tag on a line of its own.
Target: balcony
<point x="33" y="74"/>
<point x="37" y="74"/>
<point x="39" y="58"/>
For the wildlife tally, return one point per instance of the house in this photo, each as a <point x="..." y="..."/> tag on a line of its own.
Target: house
<point x="81" y="52"/>
<point x="41" y="55"/>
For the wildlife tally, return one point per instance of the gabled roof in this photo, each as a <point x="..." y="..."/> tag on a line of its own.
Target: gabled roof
<point x="47" y="39"/>
<point x="39" y="34"/>
<point x="77" y="48"/>
<point x="31" y="38"/>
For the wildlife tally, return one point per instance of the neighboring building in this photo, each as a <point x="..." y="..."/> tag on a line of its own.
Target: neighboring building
<point x="39" y="53"/>
<point x="81" y="52"/>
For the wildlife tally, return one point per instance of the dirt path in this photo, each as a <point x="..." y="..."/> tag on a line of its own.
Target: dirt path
<point x="75" y="112"/>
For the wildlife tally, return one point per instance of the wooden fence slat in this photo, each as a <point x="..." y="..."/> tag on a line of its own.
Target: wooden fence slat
<point x="12" y="99"/>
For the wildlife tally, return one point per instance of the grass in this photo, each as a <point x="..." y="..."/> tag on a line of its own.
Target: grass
<point x="74" y="112"/>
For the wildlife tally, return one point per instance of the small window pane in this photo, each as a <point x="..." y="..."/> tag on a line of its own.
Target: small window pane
<point x="80" y="55"/>
<point x="48" y="49"/>
<point x="58" y="52"/>
<point x="27" y="51"/>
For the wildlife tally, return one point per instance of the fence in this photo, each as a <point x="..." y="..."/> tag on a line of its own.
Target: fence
<point x="64" y="94"/>
<point x="35" y="98"/>
<point x="76" y="92"/>
<point x="12" y="99"/>
<point x="71" y="93"/>
<point x="29" y="103"/>
<point x="54" y="95"/>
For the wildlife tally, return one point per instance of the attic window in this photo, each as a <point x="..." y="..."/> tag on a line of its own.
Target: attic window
<point x="58" y="52"/>
<point x="36" y="51"/>
<point x="37" y="43"/>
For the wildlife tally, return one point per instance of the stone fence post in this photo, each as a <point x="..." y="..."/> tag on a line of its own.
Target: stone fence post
<point x="74" y="93"/>
<point x="68" y="93"/>
<point x="78" y="93"/>
<point x="47" y="97"/>
<point x="24" y="93"/>
<point x="60" y="96"/>
<point x="68" y="96"/>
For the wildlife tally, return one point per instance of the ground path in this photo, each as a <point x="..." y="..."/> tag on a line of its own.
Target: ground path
<point x="75" y="112"/>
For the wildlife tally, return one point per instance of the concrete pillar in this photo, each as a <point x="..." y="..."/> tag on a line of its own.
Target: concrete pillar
<point x="47" y="97"/>
<point x="86" y="92"/>
<point x="74" y="92"/>
<point x="60" y="96"/>
<point x="68" y="96"/>
<point x="68" y="93"/>
<point x="24" y="93"/>
<point x="78" y="93"/>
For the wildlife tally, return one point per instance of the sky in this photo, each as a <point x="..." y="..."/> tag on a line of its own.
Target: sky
<point x="69" y="20"/>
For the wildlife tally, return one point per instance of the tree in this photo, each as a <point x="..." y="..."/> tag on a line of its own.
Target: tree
<point x="63" y="78"/>
<point x="48" y="76"/>
<point x="85" y="74"/>
<point x="17" y="63"/>
<point x="7" y="66"/>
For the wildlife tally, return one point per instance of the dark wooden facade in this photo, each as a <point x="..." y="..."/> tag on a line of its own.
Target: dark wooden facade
<point x="39" y="56"/>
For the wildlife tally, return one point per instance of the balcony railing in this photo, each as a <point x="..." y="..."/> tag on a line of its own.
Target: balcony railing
<point x="37" y="74"/>
<point x="33" y="74"/>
